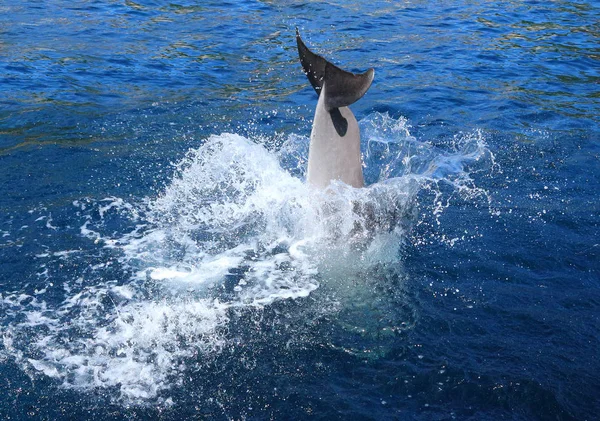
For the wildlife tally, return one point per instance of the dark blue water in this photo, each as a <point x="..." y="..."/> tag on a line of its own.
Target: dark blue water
<point x="161" y="257"/>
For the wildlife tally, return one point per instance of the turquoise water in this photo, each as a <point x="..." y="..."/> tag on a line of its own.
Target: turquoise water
<point x="161" y="257"/>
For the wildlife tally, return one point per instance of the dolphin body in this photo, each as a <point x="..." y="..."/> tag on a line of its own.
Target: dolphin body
<point x="334" y="151"/>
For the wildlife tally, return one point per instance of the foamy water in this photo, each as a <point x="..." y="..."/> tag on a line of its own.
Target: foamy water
<point x="233" y="231"/>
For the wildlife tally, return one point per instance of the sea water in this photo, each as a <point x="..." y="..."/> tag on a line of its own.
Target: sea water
<point x="162" y="258"/>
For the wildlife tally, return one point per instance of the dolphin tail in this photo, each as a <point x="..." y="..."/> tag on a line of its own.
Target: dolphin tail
<point x="343" y="88"/>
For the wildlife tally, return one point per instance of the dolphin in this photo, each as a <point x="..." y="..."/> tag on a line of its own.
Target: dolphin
<point x="334" y="150"/>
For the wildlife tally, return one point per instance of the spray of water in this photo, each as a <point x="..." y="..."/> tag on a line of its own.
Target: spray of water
<point x="235" y="230"/>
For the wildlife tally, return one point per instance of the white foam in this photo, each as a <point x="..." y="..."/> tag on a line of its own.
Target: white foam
<point x="233" y="230"/>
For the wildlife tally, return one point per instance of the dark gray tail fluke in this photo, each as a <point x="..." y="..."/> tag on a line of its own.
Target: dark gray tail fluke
<point x="343" y="88"/>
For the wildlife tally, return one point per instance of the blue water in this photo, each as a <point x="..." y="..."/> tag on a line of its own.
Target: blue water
<point x="161" y="257"/>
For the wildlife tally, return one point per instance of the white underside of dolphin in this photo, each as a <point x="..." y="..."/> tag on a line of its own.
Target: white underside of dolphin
<point x="334" y="151"/>
<point x="331" y="156"/>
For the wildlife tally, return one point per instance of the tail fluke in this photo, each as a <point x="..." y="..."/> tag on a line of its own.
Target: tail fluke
<point x="343" y="88"/>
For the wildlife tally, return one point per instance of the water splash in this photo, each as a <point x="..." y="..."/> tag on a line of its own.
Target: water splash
<point x="235" y="230"/>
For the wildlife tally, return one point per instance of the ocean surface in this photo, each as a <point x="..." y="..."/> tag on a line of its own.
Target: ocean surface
<point x="162" y="258"/>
